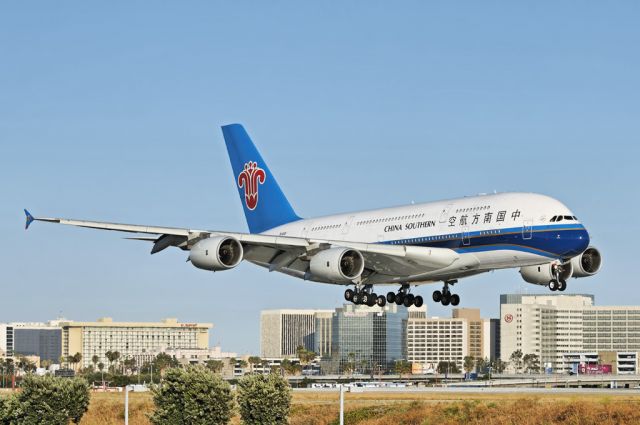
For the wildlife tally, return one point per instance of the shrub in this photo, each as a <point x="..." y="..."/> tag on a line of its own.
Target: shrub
<point x="48" y="400"/>
<point x="192" y="396"/>
<point x="264" y="399"/>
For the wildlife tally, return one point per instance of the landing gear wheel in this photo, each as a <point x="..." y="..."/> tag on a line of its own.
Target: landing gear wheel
<point x="364" y="298"/>
<point x="455" y="299"/>
<point x="408" y="300"/>
<point x="418" y="301"/>
<point x="553" y="285"/>
<point x="562" y="285"/>
<point x="399" y="298"/>
<point x="446" y="299"/>
<point x="371" y="301"/>
<point x="391" y="297"/>
<point x="348" y="294"/>
<point x="356" y="298"/>
<point x="437" y="296"/>
<point x="381" y="301"/>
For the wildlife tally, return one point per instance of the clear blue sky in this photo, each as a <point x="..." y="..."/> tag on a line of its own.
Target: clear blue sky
<point x="112" y="111"/>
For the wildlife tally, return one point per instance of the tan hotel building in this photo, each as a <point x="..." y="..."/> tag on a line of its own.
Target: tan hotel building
<point x="139" y="340"/>
<point x="431" y="340"/>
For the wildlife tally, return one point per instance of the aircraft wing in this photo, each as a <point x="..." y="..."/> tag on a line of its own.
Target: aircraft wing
<point x="286" y="254"/>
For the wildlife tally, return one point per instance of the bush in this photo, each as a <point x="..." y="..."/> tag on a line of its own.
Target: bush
<point x="264" y="399"/>
<point x="192" y="396"/>
<point x="3" y="410"/>
<point x="48" y="400"/>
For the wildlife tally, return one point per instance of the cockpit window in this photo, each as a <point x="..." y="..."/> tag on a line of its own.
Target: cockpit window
<point x="568" y="217"/>
<point x="559" y="218"/>
<point x="554" y="218"/>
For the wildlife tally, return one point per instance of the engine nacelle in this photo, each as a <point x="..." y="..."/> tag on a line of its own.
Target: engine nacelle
<point x="337" y="264"/>
<point x="216" y="253"/>
<point x="543" y="274"/>
<point x="587" y="264"/>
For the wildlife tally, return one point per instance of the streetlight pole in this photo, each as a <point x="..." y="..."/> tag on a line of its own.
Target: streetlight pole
<point x="126" y="405"/>
<point x="341" y="404"/>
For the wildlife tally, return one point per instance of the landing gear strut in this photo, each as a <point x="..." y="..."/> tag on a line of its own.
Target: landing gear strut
<point x="445" y="296"/>
<point x="557" y="283"/>
<point x="364" y="295"/>
<point x="403" y="297"/>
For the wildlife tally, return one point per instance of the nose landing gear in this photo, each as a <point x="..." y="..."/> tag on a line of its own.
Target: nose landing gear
<point x="445" y="297"/>
<point x="557" y="283"/>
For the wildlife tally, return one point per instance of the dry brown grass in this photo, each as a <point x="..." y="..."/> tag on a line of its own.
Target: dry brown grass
<point x="321" y="408"/>
<point x="108" y="409"/>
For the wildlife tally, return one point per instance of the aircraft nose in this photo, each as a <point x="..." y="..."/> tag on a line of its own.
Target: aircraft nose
<point x="580" y="241"/>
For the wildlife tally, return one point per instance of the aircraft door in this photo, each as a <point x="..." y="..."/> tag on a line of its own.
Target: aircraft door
<point x="305" y="230"/>
<point x="347" y="225"/>
<point x="444" y="215"/>
<point x="527" y="230"/>
<point x="466" y="241"/>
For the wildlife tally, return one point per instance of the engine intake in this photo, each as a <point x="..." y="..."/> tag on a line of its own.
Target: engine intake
<point x="341" y="265"/>
<point x="543" y="274"/>
<point x="587" y="264"/>
<point x="216" y="253"/>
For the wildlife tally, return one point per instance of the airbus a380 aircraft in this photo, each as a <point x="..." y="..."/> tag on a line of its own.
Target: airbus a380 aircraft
<point x="401" y="246"/>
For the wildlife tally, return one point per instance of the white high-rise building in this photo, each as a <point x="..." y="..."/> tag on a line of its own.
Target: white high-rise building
<point x="552" y="326"/>
<point x="283" y="331"/>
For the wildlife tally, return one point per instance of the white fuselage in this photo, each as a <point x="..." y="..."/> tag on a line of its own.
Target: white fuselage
<point x="488" y="231"/>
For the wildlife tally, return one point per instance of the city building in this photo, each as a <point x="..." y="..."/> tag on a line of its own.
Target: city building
<point x="283" y="331"/>
<point x="41" y="340"/>
<point x="139" y="340"/>
<point x="431" y="340"/>
<point x="552" y="326"/>
<point x="367" y="339"/>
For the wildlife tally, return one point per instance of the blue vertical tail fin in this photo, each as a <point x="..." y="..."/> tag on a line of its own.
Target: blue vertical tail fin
<point x="264" y="203"/>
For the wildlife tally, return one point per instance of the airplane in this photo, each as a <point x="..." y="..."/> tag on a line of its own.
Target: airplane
<point x="403" y="247"/>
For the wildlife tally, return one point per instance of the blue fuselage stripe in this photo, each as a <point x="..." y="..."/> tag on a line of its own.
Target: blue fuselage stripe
<point x="559" y="241"/>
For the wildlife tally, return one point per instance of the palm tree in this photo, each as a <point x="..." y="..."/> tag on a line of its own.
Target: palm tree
<point x="243" y="364"/>
<point x="116" y="357"/>
<point x="215" y="365"/>
<point x="110" y="358"/>
<point x="77" y="358"/>
<point x="101" y="369"/>
<point x="468" y="364"/>
<point x="253" y="361"/>
<point x="95" y="359"/>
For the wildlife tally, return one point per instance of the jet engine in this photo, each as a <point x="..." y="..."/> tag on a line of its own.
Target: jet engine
<point x="341" y="265"/>
<point x="543" y="274"/>
<point x="216" y="253"/>
<point x="587" y="264"/>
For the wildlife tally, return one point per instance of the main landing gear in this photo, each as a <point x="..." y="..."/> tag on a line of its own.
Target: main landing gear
<point x="557" y="283"/>
<point x="364" y="296"/>
<point x="403" y="297"/>
<point x="445" y="296"/>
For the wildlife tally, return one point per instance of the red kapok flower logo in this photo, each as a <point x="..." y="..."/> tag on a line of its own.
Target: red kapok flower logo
<point x="250" y="178"/>
<point x="508" y="318"/>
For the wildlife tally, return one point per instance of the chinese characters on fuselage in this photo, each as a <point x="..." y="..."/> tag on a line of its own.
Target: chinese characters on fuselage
<point x="462" y="220"/>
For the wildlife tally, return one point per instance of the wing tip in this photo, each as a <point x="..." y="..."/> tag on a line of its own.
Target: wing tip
<point x="28" y="220"/>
